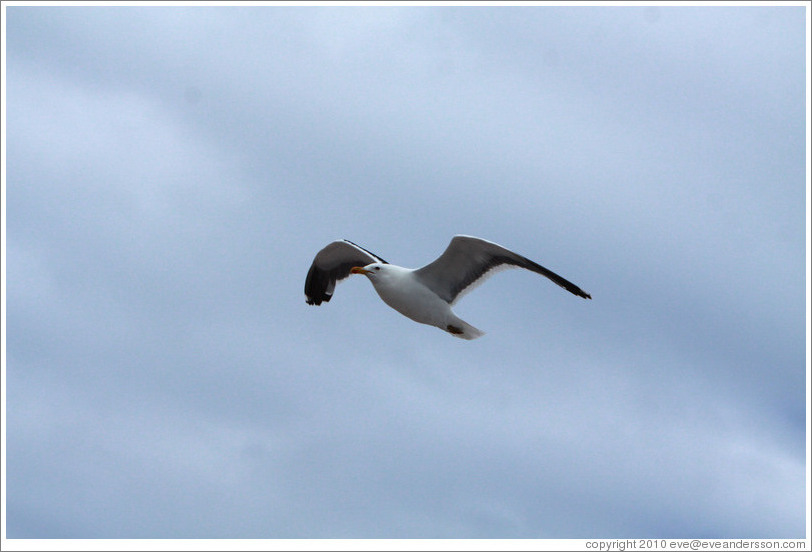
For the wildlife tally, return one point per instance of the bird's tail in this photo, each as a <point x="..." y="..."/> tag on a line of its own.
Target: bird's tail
<point x="463" y="330"/>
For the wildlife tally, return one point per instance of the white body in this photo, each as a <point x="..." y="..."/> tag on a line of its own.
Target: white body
<point x="407" y="295"/>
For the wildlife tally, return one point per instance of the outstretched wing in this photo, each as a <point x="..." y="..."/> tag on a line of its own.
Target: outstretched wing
<point x="332" y="264"/>
<point x="468" y="261"/>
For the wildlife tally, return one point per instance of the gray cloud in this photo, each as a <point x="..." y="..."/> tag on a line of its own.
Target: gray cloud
<point x="172" y="171"/>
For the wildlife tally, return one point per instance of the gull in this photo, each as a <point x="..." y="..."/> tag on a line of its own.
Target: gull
<point x="425" y="294"/>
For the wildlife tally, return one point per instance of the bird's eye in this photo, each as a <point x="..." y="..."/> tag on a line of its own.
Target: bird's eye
<point x="377" y="268"/>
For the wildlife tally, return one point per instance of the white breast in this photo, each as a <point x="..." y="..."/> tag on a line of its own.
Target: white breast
<point x="406" y="294"/>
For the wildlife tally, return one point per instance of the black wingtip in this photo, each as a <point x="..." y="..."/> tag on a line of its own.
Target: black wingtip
<point x="315" y="288"/>
<point x="564" y="283"/>
<point x="317" y="300"/>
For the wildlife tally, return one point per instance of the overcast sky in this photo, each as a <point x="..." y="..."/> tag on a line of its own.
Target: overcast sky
<point x="171" y="172"/>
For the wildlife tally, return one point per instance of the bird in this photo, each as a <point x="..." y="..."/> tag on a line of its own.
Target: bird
<point x="424" y="294"/>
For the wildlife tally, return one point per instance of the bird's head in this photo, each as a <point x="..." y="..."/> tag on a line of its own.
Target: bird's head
<point x="370" y="270"/>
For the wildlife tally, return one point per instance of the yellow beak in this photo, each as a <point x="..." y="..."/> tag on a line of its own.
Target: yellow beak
<point x="359" y="270"/>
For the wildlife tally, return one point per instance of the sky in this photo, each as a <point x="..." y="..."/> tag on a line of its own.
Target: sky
<point x="172" y="171"/>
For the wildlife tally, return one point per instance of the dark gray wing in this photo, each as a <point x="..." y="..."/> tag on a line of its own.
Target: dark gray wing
<point x="333" y="263"/>
<point x="468" y="261"/>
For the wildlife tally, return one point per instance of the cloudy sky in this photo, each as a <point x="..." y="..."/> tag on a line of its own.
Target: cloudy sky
<point x="171" y="172"/>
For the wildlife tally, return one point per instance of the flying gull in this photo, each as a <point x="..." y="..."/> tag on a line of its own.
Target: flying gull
<point x="425" y="294"/>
